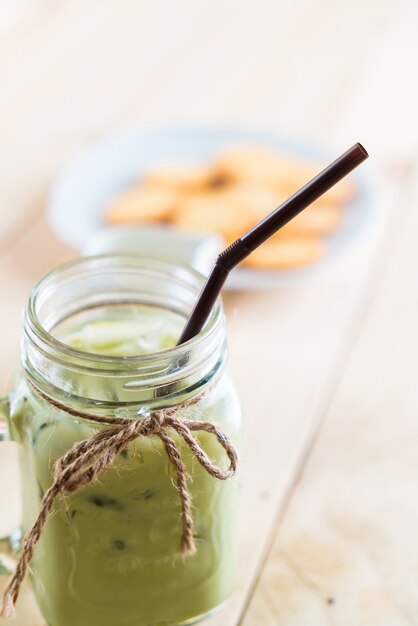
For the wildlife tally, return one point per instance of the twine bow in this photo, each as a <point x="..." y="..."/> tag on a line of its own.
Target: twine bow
<point x="85" y="461"/>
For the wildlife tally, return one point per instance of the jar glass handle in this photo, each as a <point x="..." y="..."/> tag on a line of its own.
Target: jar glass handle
<point x="9" y="541"/>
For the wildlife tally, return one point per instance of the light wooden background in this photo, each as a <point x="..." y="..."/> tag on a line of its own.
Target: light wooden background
<point x="327" y="368"/>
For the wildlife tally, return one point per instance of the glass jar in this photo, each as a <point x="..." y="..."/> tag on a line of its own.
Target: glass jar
<point x="109" y="553"/>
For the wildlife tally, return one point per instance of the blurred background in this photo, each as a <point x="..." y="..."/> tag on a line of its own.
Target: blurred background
<point x="308" y="78"/>
<point x="321" y="73"/>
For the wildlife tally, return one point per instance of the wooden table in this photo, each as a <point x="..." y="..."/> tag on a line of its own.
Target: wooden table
<point x="326" y="367"/>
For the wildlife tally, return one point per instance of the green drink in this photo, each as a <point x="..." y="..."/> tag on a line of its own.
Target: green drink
<point x="109" y="553"/>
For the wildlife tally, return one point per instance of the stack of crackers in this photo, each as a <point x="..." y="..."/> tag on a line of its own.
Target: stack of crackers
<point x="230" y="195"/>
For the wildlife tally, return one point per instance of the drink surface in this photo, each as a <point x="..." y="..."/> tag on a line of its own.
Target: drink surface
<point x="109" y="553"/>
<point x="127" y="330"/>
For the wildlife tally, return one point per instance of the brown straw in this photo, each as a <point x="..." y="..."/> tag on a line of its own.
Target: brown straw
<point x="85" y="461"/>
<point x="242" y="247"/>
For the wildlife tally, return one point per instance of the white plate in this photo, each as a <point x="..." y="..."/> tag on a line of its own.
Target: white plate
<point x="81" y="192"/>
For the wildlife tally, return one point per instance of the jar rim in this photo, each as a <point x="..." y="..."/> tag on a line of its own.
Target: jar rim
<point x="129" y="262"/>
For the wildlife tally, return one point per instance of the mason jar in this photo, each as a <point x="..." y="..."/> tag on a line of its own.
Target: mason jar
<point x="99" y="339"/>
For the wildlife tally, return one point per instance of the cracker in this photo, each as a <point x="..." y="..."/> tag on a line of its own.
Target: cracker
<point x="215" y="212"/>
<point x="180" y="177"/>
<point x="141" y="205"/>
<point x="316" y="220"/>
<point x="293" y="175"/>
<point x="283" y="172"/>
<point x="249" y="164"/>
<point x="259" y="200"/>
<point x="286" y="252"/>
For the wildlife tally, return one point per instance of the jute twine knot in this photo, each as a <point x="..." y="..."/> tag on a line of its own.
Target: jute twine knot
<point x="85" y="461"/>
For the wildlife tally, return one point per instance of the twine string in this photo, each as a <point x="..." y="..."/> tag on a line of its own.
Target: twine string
<point x="87" y="459"/>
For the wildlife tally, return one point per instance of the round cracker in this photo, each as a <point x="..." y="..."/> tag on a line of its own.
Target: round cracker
<point x="294" y="175"/>
<point x="249" y="164"/>
<point x="215" y="212"/>
<point x="286" y="252"/>
<point x="141" y="205"/>
<point x="315" y="220"/>
<point x="180" y="177"/>
<point x="260" y="200"/>
<point x="288" y="174"/>
<point x="231" y="211"/>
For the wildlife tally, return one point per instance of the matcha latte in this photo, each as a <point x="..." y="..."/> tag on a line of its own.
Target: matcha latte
<point x="109" y="553"/>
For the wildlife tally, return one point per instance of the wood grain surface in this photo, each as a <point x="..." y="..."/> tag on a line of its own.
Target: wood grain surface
<point x="326" y="367"/>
